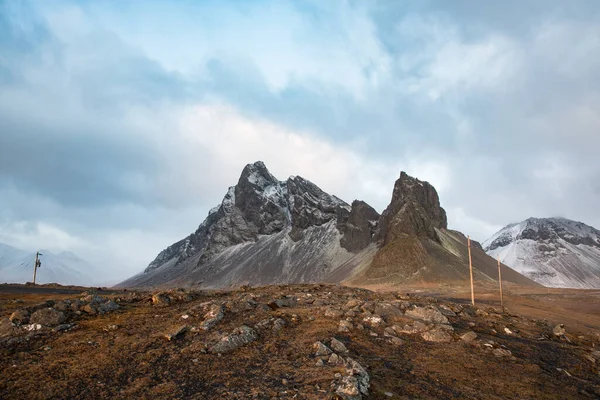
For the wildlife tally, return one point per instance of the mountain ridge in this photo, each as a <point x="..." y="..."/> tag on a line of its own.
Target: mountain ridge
<point x="556" y="252"/>
<point x="269" y="231"/>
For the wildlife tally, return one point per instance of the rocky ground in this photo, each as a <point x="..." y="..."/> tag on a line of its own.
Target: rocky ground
<point x="284" y="342"/>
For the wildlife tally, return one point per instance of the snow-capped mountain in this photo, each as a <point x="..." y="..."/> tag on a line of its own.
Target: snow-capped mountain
<point x="267" y="231"/>
<point x="554" y="252"/>
<point x="16" y="266"/>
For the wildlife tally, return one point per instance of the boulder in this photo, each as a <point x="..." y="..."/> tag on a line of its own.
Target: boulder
<point x="361" y="375"/>
<point x="427" y="314"/>
<point x="437" y="335"/>
<point x="213" y="316"/>
<point x="239" y="337"/>
<point x="468" y="337"/>
<point x="47" y="317"/>
<point x="344" y="326"/>
<point x="107" y="307"/>
<point x="338" y="346"/>
<point x="283" y="302"/>
<point x="348" y="389"/>
<point x="321" y="349"/>
<point x="387" y="311"/>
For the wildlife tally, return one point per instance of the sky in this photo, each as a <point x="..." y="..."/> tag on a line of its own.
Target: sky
<point x="123" y="123"/>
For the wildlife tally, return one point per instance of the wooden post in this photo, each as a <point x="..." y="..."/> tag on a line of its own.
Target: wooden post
<point x="471" y="270"/>
<point x="500" y="280"/>
<point x="35" y="265"/>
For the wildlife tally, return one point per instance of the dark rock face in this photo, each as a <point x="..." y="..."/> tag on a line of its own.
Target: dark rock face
<point x="260" y="206"/>
<point x="414" y="211"/>
<point x="359" y="226"/>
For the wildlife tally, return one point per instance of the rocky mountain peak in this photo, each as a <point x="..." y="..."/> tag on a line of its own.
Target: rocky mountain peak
<point x="414" y="210"/>
<point x="555" y="252"/>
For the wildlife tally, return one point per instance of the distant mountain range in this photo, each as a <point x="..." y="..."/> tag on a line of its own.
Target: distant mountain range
<point x="554" y="252"/>
<point x="16" y="266"/>
<point x="267" y="231"/>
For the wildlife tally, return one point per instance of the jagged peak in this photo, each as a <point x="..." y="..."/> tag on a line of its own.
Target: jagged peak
<point x="258" y="175"/>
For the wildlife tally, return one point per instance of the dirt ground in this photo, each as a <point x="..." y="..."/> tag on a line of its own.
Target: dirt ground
<point x="125" y="355"/>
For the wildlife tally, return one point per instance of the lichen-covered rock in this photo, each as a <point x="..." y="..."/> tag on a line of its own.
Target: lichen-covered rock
<point x="47" y="317"/>
<point x="338" y="346"/>
<point x="388" y="311"/>
<point x="283" y="302"/>
<point x="107" y="307"/>
<point x="437" y="335"/>
<point x="427" y="314"/>
<point x="239" y="337"/>
<point x="321" y="349"/>
<point x="348" y="389"/>
<point x="361" y="375"/>
<point x="469" y="337"/>
<point x="215" y="313"/>
<point x="344" y="326"/>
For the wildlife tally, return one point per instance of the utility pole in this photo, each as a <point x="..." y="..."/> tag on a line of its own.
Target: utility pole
<point x="36" y="265"/>
<point x="500" y="280"/>
<point x="471" y="270"/>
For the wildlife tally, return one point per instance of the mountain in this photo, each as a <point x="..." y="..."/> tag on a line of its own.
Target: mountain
<point x="554" y="252"/>
<point x="267" y="231"/>
<point x="65" y="268"/>
<point x="415" y="244"/>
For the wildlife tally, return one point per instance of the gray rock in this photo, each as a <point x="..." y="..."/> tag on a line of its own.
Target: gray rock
<point x="338" y="346"/>
<point x="427" y="314"/>
<point x="416" y="327"/>
<point x="278" y="324"/>
<point x="283" y="302"/>
<point x="20" y="317"/>
<point x="333" y="313"/>
<point x="213" y="316"/>
<point x="47" y="317"/>
<point x="362" y="377"/>
<point x="107" y="307"/>
<point x="321" y="349"/>
<point x="344" y="326"/>
<point x="334" y="359"/>
<point x="239" y="337"/>
<point x="437" y="335"/>
<point x="396" y="341"/>
<point x="348" y="389"/>
<point x="469" y="336"/>
<point x="177" y="332"/>
<point x="502" y="353"/>
<point x="447" y="311"/>
<point x="387" y="311"/>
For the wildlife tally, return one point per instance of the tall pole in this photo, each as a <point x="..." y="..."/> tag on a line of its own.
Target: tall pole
<point x="500" y="280"/>
<point x="35" y="265"/>
<point x="471" y="270"/>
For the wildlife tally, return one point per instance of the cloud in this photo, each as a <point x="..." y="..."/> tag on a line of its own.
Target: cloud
<point x="121" y="124"/>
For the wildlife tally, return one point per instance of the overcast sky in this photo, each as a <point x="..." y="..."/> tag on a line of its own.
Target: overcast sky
<point x="123" y="123"/>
